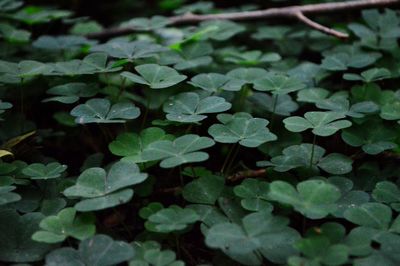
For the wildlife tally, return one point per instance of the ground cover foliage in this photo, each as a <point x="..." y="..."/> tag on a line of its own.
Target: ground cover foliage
<point x="217" y="143"/>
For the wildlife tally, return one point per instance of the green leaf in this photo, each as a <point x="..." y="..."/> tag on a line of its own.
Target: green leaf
<point x="101" y="190"/>
<point x="150" y="253"/>
<point x="132" y="146"/>
<point x="370" y="75"/>
<point x="351" y="57"/>
<point x="188" y="107"/>
<point x="322" y="123"/>
<point x="374" y="215"/>
<point x="387" y="192"/>
<point x="350" y="198"/>
<point x="14" y="35"/>
<point x="6" y="196"/>
<point x="150" y="209"/>
<point x="391" y="110"/>
<point x="250" y="57"/>
<point x="241" y="76"/>
<point x="243" y="128"/>
<point x="254" y="195"/>
<point x="315" y="199"/>
<point x="222" y="30"/>
<point x="91" y="64"/>
<point x="41" y="171"/>
<point x="318" y="248"/>
<point x="211" y="82"/>
<point x="99" y="250"/>
<point x="188" y="55"/>
<point x="18" y="229"/>
<point x="155" y="76"/>
<point x="71" y="92"/>
<point x="380" y="31"/>
<point x="18" y="72"/>
<point x="184" y="149"/>
<point x="205" y="189"/>
<point x="342" y="106"/>
<point x="36" y="15"/>
<point x="147" y="24"/>
<point x="61" y="43"/>
<point x="65" y="224"/>
<point x="312" y="95"/>
<point x="376" y="139"/>
<point x="335" y="163"/>
<point x="123" y="49"/>
<point x="173" y="218"/>
<point x="4" y="106"/>
<point x="301" y="155"/>
<point x="278" y="84"/>
<point x="277" y="104"/>
<point x="87" y="27"/>
<point x="256" y="232"/>
<point x="271" y="33"/>
<point x="101" y="111"/>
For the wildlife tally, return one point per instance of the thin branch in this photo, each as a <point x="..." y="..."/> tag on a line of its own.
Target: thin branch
<point x="246" y="174"/>
<point x="320" y="27"/>
<point x="297" y="12"/>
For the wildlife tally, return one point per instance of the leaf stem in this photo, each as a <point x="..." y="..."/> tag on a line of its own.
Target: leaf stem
<point x="181" y="176"/>
<point x="312" y="151"/>
<point x="233" y="157"/>
<point x="146" y="113"/>
<point x="275" y="102"/>
<point x="227" y="158"/>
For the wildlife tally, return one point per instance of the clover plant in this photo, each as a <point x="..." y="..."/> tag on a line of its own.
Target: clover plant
<point x="174" y="132"/>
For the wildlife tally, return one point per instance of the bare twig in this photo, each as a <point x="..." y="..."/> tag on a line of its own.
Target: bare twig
<point x="296" y="12"/>
<point x="320" y="27"/>
<point x="170" y="190"/>
<point x="246" y="174"/>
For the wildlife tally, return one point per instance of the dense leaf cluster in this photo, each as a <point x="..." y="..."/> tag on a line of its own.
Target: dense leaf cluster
<point x="221" y="143"/>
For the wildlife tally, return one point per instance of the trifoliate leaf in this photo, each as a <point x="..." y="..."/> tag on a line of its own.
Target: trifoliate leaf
<point x="18" y="229"/>
<point x="374" y="215"/>
<point x="101" y="111"/>
<point x="243" y="128"/>
<point x="42" y="171"/>
<point x="211" y="82"/>
<point x="370" y="75"/>
<point x="322" y="123"/>
<point x="254" y="195"/>
<point x="188" y="107"/>
<point x="123" y="49"/>
<point x="303" y="156"/>
<point x="342" y="105"/>
<point x="173" y="218"/>
<point x="253" y="234"/>
<point x="150" y="253"/>
<point x="277" y="104"/>
<point x="376" y="139"/>
<point x="155" y="76"/>
<point x="71" y="92"/>
<point x="91" y="64"/>
<point x="278" y="84"/>
<point x="204" y="190"/>
<point x="65" y="224"/>
<point x="182" y="150"/>
<point x="315" y="199"/>
<point x="7" y="196"/>
<point x="241" y="76"/>
<point x="101" y="190"/>
<point x="99" y="250"/>
<point x="131" y="146"/>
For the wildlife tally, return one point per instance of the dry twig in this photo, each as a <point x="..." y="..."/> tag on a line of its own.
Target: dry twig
<point x="246" y="174"/>
<point x="296" y="12"/>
